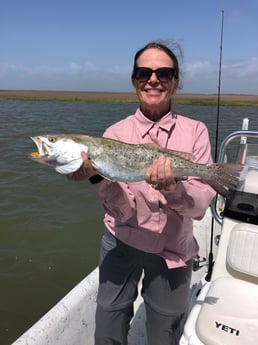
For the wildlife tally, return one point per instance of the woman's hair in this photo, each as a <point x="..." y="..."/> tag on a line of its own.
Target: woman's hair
<point x="164" y="47"/>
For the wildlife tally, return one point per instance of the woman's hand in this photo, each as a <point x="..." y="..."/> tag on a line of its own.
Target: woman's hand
<point x="84" y="172"/>
<point x="160" y="175"/>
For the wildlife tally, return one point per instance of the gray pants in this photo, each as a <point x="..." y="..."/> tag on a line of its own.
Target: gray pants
<point x="165" y="293"/>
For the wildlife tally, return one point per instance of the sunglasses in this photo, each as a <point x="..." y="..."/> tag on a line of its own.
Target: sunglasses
<point x="143" y="74"/>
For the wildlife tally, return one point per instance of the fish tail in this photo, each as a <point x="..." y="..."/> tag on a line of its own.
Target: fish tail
<point x="225" y="177"/>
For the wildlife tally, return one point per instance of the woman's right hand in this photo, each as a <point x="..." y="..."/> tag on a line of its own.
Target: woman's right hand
<point x="85" y="171"/>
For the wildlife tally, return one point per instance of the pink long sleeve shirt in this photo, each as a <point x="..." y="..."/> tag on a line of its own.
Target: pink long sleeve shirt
<point x="148" y="219"/>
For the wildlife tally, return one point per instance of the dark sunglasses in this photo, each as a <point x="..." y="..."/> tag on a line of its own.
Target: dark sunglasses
<point x="163" y="74"/>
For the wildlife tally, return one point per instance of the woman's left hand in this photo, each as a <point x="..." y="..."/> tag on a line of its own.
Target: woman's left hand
<point x="160" y="174"/>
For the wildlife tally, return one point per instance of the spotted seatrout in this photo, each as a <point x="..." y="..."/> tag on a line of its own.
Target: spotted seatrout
<point x="123" y="162"/>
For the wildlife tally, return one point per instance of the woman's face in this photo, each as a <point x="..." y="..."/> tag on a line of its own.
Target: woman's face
<point x="155" y="95"/>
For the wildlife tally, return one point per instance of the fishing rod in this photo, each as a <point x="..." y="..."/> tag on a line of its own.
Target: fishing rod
<point x="218" y="99"/>
<point x="210" y="259"/>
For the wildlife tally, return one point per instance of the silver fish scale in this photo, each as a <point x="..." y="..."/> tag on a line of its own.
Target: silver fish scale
<point x="127" y="162"/>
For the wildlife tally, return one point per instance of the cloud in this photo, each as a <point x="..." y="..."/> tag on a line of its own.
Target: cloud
<point x="236" y="77"/>
<point x="242" y="69"/>
<point x="198" y="68"/>
<point x="198" y="77"/>
<point x="72" y="68"/>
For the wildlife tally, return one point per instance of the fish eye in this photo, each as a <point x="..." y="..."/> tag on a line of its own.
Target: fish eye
<point x="52" y="139"/>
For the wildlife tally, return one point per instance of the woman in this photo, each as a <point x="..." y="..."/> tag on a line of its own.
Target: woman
<point x="148" y="224"/>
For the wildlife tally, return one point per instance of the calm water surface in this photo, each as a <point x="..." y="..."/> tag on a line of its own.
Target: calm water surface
<point x="50" y="228"/>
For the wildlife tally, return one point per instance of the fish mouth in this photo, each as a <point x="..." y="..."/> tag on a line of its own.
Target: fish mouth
<point x="42" y="155"/>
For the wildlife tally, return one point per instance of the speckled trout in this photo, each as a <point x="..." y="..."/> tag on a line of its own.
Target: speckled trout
<point x="118" y="161"/>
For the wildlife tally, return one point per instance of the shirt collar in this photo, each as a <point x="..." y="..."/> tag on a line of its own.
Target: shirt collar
<point x="166" y="122"/>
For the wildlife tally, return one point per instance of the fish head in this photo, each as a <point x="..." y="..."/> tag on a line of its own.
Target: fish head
<point x="60" y="152"/>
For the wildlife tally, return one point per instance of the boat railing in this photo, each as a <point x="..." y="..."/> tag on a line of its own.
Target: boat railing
<point x="242" y="135"/>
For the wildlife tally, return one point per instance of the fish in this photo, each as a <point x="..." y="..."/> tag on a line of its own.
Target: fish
<point x="123" y="162"/>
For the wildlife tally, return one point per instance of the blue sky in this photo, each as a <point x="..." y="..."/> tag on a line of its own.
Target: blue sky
<point x="89" y="45"/>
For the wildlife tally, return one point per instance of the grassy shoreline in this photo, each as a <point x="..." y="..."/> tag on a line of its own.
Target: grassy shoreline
<point x="125" y="97"/>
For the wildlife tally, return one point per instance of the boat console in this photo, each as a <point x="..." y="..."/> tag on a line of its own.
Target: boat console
<point x="243" y="203"/>
<point x="242" y="206"/>
<point x="226" y="309"/>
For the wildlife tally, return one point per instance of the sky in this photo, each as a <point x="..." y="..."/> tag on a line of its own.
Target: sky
<point x="89" y="45"/>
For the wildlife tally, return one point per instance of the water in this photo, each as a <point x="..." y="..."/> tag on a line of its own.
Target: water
<point x="50" y="228"/>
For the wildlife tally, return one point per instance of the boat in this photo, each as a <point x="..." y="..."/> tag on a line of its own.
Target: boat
<point x="223" y="305"/>
<point x="225" y="311"/>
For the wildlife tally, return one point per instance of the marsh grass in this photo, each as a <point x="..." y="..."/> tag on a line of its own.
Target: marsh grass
<point x="125" y="97"/>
